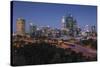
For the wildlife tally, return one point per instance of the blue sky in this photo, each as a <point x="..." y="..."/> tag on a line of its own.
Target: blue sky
<point x="43" y="14"/>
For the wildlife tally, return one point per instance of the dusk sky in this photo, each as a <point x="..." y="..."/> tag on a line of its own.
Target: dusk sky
<point x="43" y="14"/>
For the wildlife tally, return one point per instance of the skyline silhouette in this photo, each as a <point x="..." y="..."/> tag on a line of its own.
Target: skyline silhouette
<point x="43" y="14"/>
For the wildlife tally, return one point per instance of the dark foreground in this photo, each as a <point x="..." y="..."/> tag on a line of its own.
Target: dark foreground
<point x="36" y="54"/>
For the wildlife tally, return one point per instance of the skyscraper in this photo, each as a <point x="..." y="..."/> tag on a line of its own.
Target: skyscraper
<point x="69" y="24"/>
<point x="93" y="28"/>
<point x="20" y="26"/>
<point x="33" y="29"/>
<point x="63" y="22"/>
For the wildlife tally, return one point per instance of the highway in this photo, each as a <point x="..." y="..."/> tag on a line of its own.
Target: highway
<point x="86" y="51"/>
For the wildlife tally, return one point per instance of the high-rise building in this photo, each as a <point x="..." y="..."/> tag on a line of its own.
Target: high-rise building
<point x="20" y="26"/>
<point x="69" y="24"/>
<point x="33" y="29"/>
<point x="86" y="28"/>
<point x="63" y="22"/>
<point x="45" y="30"/>
<point x="93" y="28"/>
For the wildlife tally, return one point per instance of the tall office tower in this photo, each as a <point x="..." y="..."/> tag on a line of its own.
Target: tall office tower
<point x="93" y="29"/>
<point x="63" y="23"/>
<point x="70" y="22"/>
<point x="86" y="28"/>
<point x="71" y="25"/>
<point x="33" y="29"/>
<point x="20" y="26"/>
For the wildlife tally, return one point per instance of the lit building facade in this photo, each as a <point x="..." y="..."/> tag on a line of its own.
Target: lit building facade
<point x="20" y="26"/>
<point x="93" y="28"/>
<point x="33" y="29"/>
<point x="69" y="25"/>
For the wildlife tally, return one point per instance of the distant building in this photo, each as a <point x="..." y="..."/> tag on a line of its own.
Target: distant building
<point x="56" y="33"/>
<point x="63" y="22"/>
<point x="20" y="26"/>
<point x="33" y="29"/>
<point x="69" y="25"/>
<point x="93" y="29"/>
<point x="45" y="31"/>
<point x="70" y="22"/>
<point x="87" y="28"/>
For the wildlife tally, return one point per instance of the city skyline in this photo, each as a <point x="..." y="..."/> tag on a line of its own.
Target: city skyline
<point x="43" y="14"/>
<point x="50" y="33"/>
